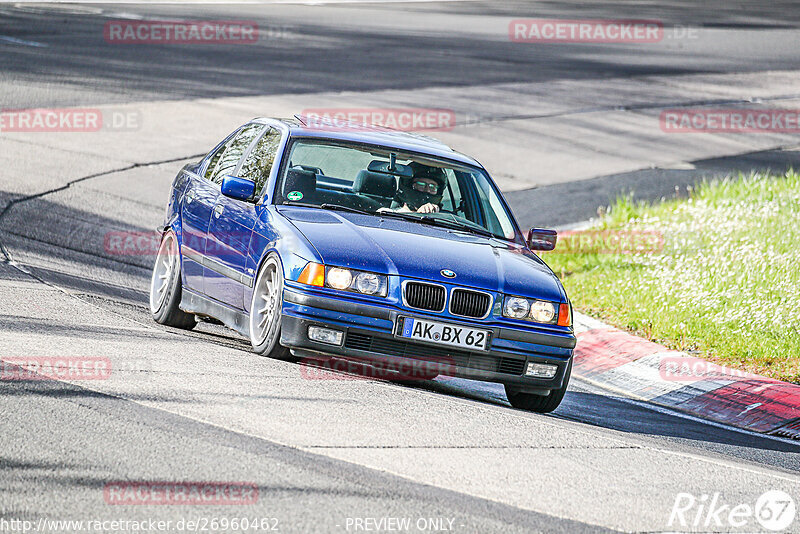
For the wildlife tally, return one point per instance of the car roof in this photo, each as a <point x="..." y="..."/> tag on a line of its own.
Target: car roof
<point x="372" y="135"/>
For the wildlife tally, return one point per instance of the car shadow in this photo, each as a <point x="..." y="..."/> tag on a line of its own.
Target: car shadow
<point x="71" y="247"/>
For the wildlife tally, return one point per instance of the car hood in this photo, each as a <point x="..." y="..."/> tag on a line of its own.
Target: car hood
<point x="413" y="250"/>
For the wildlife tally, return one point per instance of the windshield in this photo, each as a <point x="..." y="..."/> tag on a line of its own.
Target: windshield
<point x="376" y="180"/>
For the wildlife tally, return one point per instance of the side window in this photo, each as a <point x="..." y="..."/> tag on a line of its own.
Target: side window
<point x="212" y="163"/>
<point x="451" y="200"/>
<point x="233" y="152"/>
<point x="490" y="205"/>
<point x="259" y="162"/>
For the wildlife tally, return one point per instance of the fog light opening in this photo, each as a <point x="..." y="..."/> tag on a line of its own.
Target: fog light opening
<point x="541" y="370"/>
<point x="329" y="336"/>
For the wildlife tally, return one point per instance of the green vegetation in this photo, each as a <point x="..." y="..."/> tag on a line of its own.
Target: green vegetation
<point x="723" y="282"/>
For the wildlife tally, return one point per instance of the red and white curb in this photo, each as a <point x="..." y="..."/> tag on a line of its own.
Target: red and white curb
<point x="651" y="372"/>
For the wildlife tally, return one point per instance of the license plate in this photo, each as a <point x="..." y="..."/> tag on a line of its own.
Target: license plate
<point x="443" y="333"/>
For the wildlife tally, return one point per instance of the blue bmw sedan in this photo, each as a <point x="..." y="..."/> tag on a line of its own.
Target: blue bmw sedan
<point x="365" y="244"/>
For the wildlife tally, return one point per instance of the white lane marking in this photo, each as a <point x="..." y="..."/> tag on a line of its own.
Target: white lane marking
<point x="22" y="42"/>
<point x="126" y="16"/>
<point x="583" y="323"/>
<point x="752" y="406"/>
<point x="34" y="6"/>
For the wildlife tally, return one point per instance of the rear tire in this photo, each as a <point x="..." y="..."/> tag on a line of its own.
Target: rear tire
<point x="165" y="287"/>
<point x="265" y="310"/>
<point x="539" y="403"/>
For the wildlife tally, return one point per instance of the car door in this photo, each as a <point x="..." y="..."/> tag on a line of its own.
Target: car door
<point x="199" y="198"/>
<point x="230" y="227"/>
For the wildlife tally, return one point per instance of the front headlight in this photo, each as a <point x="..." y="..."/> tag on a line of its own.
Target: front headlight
<point x="516" y="307"/>
<point x="542" y="311"/>
<point x="368" y="283"/>
<point x="339" y="278"/>
<point x="538" y="311"/>
<point x="356" y="281"/>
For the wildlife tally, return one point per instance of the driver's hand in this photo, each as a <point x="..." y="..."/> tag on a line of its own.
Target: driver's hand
<point x="428" y="208"/>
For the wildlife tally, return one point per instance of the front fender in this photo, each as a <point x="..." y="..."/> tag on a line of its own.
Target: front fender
<point x="273" y="233"/>
<point x="174" y="224"/>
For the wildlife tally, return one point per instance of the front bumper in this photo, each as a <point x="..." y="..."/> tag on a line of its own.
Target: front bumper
<point x="369" y="337"/>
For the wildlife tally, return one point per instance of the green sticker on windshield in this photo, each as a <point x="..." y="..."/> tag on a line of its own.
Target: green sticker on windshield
<point x="294" y="195"/>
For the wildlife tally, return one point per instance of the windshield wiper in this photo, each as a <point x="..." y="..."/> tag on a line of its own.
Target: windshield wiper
<point x="455" y="225"/>
<point x="339" y="207"/>
<point x="336" y="207"/>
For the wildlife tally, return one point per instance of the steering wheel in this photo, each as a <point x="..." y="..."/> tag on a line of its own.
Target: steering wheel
<point x="453" y="211"/>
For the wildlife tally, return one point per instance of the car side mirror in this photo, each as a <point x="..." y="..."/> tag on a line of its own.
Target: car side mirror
<point x="238" y="188"/>
<point x="542" y="239"/>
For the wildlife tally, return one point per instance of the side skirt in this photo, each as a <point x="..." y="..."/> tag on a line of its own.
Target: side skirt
<point x="201" y="305"/>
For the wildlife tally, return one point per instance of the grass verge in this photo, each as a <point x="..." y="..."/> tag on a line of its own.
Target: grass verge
<point x="716" y="274"/>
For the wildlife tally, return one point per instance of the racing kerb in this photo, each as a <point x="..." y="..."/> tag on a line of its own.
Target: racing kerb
<point x="618" y="361"/>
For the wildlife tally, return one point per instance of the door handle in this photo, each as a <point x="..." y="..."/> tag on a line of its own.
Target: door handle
<point x="189" y="197"/>
<point x="218" y="210"/>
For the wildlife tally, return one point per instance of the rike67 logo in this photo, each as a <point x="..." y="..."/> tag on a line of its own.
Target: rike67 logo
<point x="774" y="511"/>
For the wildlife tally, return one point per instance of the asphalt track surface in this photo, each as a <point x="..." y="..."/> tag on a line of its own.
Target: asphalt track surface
<point x="198" y="406"/>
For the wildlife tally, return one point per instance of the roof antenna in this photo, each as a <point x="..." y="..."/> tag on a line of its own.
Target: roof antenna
<point x="392" y="162"/>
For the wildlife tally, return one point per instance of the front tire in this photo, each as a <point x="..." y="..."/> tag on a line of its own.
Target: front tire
<point x="539" y="403"/>
<point x="165" y="287"/>
<point x="265" y="310"/>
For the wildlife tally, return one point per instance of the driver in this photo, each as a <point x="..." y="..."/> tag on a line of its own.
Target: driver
<point x="422" y="193"/>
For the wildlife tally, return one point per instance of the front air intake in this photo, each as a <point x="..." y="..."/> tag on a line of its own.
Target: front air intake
<point x="427" y="297"/>
<point x="469" y="303"/>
